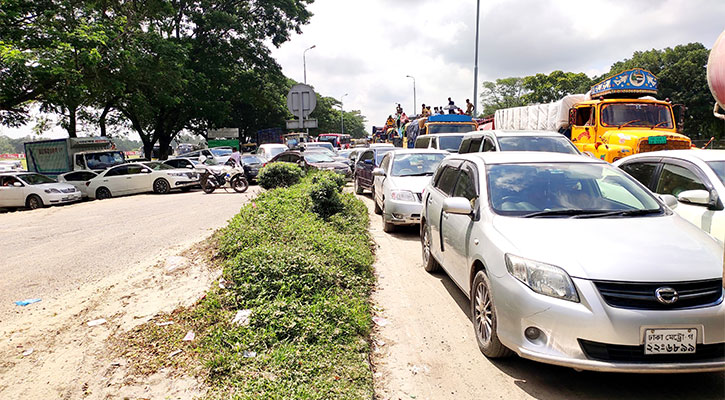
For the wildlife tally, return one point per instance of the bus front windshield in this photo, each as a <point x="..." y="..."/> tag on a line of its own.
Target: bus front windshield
<point x="637" y="114"/>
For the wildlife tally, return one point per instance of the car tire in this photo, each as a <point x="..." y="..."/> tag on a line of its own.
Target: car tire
<point x="34" y="202"/>
<point x="429" y="262"/>
<point x="377" y="208"/>
<point x="356" y="186"/>
<point x="483" y="315"/>
<point x="161" y="186"/>
<point x="387" y="226"/>
<point x="103" y="193"/>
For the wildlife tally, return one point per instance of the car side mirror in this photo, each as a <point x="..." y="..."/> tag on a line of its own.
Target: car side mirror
<point x="17" y="184"/>
<point x="378" y="172"/>
<point x="190" y="166"/>
<point x="145" y="171"/>
<point x="669" y="200"/>
<point x="370" y="162"/>
<point x="698" y="197"/>
<point x="457" y="205"/>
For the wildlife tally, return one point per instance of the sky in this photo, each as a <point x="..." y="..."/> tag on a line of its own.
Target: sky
<point x="366" y="48"/>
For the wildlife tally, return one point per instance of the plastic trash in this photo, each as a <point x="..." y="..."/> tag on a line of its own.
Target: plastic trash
<point x="175" y="352"/>
<point x="249" y="354"/>
<point x="380" y="321"/>
<point x="26" y="302"/>
<point x="242" y="317"/>
<point x="225" y="284"/>
<point x="189" y="336"/>
<point x="97" y="322"/>
<point x="174" y="262"/>
<point x="165" y="323"/>
<point x="28" y="352"/>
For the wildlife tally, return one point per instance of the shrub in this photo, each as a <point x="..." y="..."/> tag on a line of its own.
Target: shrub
<point x="325" y="193"/>
<point x="280" y="174"/>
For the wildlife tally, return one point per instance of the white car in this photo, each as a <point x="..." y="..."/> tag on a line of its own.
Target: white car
<point x="32" y="190"/>
<point x="270" y="150"/>
<point x="78" y="179"/>
<point x="133" y="178"/>
<point x="200" y="167"/>
<point x="501" y="140"/>
<point x="694" y="177"/>
<point x="219" y="155"/>
<point x="399" y="182"/>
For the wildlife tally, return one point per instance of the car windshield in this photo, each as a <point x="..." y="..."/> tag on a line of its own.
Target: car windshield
<point x="534" y="143"/>
<point x="416" y="164"/>
<point x="329" y="139"/>
<point x="344" y="153"/>
<point x="450" y="142"/>
<point x="637" y="114"/>
<point x="380" y="153"/>
<point x="323" y="145"/>
<point x="317" y="157"/>
<point x="564" y="188"/>
<point x="719" y="168"/>
<point x="276" y="150"/>
<point x="104" y="160"/>
<point x="157" y="166"/>
<point x="252" y="160"/>
<point x="221" y="152"/>
<point x="35" y="179"/>
<point x="451" y="128"/>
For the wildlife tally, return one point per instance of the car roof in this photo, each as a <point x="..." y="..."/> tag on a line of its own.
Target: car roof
<point x="419" y="151"/>
<point x="691" y="155"/>
<point x="440" y="134"/>
<point x="509" y="133"/>
<point x="266" y="145"/>
<point x="523" y="157"/>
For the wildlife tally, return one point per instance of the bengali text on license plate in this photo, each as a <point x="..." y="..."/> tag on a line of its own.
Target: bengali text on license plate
<point x="657" y="140"/>
<point x="670" y="341"/>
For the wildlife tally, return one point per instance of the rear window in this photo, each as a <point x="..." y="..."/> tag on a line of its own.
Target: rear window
<point x="450" y="142"/>
<point x="551" y="144"/>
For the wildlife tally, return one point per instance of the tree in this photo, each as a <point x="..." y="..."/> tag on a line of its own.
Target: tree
<point x="544" y="88"/>
<point x="503" y="93"/>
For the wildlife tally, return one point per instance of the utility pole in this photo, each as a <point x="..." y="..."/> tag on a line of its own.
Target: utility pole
<point x="475" y="67"/>
<point x="342" y="114"/>
<point x="415" y="101"/>
<point x="304" y="61"/>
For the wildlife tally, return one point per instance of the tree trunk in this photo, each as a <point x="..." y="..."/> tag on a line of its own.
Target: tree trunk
<point x="164" y="142"/>
<point x="72" y="122"/>
<point x="102" y="119"/>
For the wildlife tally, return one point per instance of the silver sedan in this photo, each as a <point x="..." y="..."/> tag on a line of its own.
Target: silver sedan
<point x="569" y="261"/>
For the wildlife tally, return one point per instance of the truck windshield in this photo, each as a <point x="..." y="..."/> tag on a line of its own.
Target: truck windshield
<point x="104" y="160"/>
<point x="637" y="114"/>
<point x="451" y="128"/>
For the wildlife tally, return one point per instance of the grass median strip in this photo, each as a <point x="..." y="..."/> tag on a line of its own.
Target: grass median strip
<point x="303" y="283"/>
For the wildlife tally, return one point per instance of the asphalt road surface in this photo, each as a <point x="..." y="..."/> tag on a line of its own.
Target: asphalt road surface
<point x="52" y="251"/>
<point x="426" y="347"/>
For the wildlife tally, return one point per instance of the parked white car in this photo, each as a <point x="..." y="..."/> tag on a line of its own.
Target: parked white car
<point x="694" y="177"/>
<point x="270" y="150"/>
<point x="399" y="182"/>
<point x="32" y="190"/>
<point x="569" y="261"/>
<point x="219" y="155"/>
<point x="78" y="179"/>
<point x="503" y="140"/>
<point x="200" y="167"/>
<point x="133" y="178"/>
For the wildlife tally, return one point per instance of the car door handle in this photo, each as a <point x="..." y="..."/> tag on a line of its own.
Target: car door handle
<point x="430" y="200"/>
<point x="128" y="177"/>
<point x="445" y="215"/>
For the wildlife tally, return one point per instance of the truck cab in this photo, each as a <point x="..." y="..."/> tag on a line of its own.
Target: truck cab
<point x="98" y="160"/>
<point x="450" y="123"/>
<point x="610" y="129"/>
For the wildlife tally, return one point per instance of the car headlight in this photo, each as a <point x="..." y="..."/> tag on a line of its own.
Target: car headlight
<point x="542" y="278"/>
<point x="52" y="191"/>
<point x="177" y="173"/>
<point x="402" y="195"/>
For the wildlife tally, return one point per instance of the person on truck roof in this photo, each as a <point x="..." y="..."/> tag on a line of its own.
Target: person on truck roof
<point x="469" y="107"/>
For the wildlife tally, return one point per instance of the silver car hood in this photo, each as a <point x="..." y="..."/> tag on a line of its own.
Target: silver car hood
<point x="415" y="184"/>
<point x="647" y="249"/>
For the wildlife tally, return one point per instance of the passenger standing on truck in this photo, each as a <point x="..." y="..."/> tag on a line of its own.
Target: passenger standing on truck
<point x="469" y="107"/>
<point x="422" y="111"/>
<point x="451" y="106"/>
<point x="399" y="109"/>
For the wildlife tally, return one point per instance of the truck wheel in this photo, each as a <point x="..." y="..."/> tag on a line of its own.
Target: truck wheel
<point x="161" y="186"/>
<point x="103" y="193"/>
<point x="33" y="202"/>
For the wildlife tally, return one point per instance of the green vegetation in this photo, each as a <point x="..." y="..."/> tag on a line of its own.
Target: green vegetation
<point x="306" y="281"/>
<point x="280" y="174"/>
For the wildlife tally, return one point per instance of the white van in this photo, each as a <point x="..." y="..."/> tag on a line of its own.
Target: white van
<point x="440" y="141"/>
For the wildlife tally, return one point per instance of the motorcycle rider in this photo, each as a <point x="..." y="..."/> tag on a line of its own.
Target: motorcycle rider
<point x="236" y="157"/>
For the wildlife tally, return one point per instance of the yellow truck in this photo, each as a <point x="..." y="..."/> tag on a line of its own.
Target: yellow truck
<point x="617" y="118"/>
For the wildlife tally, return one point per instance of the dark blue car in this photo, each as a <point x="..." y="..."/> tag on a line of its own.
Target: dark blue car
<point x="368" y="160"/>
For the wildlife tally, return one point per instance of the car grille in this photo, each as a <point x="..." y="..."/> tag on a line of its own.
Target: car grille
<point x="642" y="296"/>
<point x="618" y="352"/>
<point x="672" y="144"/>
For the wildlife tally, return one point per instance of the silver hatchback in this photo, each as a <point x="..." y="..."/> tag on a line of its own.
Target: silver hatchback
<point x="566" y="260"/>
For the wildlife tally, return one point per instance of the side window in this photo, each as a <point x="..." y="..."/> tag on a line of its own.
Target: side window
<point x="476" y="144"/>
<point x="465" y="146"/>
<point x="433" y="143"/>
<point x="284" y="158"/>
<point x="177" y="163"/>
<point x="79" y="161"/>
<point x="116" y="171"/>
<point x="368" y="155"/>
<point x="676" y="179"/>
<point x="466" y="185"/>
<point x="7" y="181"/>
<point x="489" y="145"/>
<point x="643" y="172"/>
<point x="134" y="169"/>
<point x="293" y="158"/>
<point x="583" y="115"/>
<point x="422" y="142"/>
<point x="447" y="180"/>
<point x="386" y="162"/>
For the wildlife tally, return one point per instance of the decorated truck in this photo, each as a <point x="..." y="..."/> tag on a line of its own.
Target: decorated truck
<point x="617" y="118"/>
<point x="447" y="123"/>
<point x="55" y="157"/>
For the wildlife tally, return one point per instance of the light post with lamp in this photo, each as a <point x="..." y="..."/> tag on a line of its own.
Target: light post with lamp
<point x="304" y="61"/>
<point x="342" y="115"/>
<point x="415" y="101"/>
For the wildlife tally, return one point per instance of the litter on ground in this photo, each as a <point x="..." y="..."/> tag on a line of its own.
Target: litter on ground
<point x="26" y="302"/>
<point x="97" y="322"/>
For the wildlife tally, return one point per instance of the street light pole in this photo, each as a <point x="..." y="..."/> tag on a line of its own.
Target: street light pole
<point x="342" y="114"/>
<point x="415" y="101"/>
<point x="304" y="61"/>
<point x="475" y="67"/>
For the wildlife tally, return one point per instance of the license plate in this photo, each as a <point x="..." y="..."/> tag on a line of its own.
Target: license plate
<point x="657" y="140"/>
<point x="670" y="341"/>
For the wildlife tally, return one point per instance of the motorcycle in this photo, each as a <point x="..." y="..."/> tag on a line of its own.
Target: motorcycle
<point x="235" y="178"/>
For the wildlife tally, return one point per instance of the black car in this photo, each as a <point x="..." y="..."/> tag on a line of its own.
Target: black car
<point x="312" y="159"/>
<point x="368" y="160"/>
<point x="252" y="164"/>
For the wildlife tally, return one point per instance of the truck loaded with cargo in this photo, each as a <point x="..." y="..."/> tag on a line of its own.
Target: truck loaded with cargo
<point x="617" y="118"/>
<point x="55" y="157"/>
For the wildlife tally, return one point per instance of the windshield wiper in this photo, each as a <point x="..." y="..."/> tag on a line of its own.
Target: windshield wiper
<point x="624" y="213"/>
<point x="628" y="122"/>
<point x="570" y="212"/>
<point x="419" y="174"/>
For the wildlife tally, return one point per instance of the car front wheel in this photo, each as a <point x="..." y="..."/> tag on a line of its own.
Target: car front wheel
<point x="161" y="186"/>
<point x="378" y="210"/>
<point x="429" y="263"/>
<point x="483" y="311"/>
<point x="34" y="201"/>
